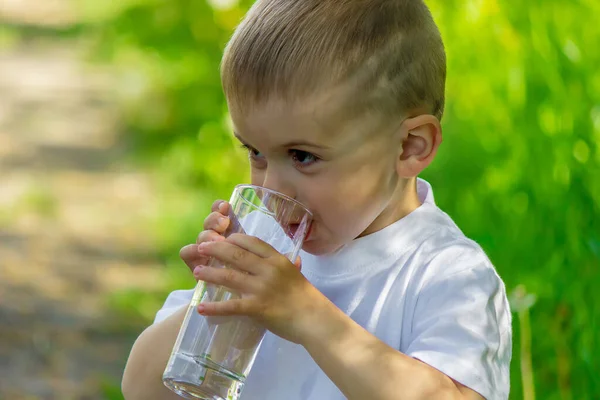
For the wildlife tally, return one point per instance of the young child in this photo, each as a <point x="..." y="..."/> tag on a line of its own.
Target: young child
<point x="339" y="105"/>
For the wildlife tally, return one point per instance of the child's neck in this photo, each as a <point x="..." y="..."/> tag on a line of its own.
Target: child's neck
<point x="405" y="201"/>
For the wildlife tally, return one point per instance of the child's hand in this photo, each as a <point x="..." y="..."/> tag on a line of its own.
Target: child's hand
<point x="214" y="226"/>
<point x="273" y="291"/>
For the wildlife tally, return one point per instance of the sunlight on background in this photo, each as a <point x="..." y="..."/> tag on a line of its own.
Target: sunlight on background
<point x="115" y="140"/>
<point x="223" y="4"/>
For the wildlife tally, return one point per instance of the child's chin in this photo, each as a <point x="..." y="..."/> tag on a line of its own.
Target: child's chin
<point x="316" y="248"/>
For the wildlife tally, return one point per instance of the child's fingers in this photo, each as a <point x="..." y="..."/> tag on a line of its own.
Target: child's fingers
<point x="228" y="277"/>
<point x="218" y="219"/>
<point x="225" y="308"/>
<point x="223" y="208"/>
<point x="209" y="236"/>
<point x="220" y="206"/>
<point x="216" y="222"/>
<point x="215" y="205"/>
<point x="190" y="256"/>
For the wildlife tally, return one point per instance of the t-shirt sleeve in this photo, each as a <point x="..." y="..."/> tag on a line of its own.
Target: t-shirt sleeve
<point x="175" y="300"/>
<point x="462" y="325"/>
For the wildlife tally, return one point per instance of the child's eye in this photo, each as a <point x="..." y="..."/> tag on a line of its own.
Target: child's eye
<point x="303" y="158"/>
<point x="252" y="152"/>
<point x="257" y="160"/>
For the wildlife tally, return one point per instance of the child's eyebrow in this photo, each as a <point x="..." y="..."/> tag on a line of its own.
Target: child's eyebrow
<point x="241" y="140"/>
<point x="293" y="143"/>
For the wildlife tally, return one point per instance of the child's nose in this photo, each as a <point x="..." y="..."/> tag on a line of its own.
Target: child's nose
<point x="278" y="182"/>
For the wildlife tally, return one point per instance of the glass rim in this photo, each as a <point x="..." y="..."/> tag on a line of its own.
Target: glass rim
<point x="274" y="192"/>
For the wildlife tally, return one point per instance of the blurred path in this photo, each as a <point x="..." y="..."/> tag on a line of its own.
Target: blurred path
<point x="72" y="226"/>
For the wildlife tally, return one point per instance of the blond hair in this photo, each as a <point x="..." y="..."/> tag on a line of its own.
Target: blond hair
<point x="387" y="53"/>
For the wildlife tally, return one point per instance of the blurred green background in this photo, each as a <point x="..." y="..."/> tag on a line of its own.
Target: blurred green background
<point x="519" y="169"/>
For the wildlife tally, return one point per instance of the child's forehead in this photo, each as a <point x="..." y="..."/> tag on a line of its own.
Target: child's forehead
<point x="324" y="117"/>
<point x="285" y="125"/>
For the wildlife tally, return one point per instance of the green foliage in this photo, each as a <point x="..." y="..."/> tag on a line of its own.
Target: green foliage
<point x="518" y="169"/>
<point x="110" y="390"/>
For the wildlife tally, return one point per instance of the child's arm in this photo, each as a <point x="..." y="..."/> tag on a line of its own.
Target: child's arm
<point x="363" y="367"/>
<point x="277" y="295"/>
<point x="142" y="379"/>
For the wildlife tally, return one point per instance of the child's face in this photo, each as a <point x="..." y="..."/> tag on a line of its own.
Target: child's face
<point x="344" y="173"/>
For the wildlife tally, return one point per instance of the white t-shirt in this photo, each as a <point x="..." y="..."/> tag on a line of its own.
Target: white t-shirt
<point x="420" y="286"/>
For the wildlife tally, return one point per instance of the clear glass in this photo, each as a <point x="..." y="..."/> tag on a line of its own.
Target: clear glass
<point x="213" y="355"/>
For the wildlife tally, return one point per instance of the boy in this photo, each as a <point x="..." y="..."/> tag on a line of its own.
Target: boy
<point x="338" y="103"/>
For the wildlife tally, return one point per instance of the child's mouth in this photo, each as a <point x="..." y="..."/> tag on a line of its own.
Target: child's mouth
<point x="292" y="229"/>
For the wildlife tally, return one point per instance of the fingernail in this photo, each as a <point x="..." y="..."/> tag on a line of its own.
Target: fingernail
<point x="197" y="270"/>
<point x="201" y="308"/>
<point x="201" y="247"/>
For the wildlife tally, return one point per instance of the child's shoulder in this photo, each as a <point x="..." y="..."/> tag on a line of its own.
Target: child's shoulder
<point x="454" y="270"/>
<point x="450" y="251"/>
<point x="444" y="249"/>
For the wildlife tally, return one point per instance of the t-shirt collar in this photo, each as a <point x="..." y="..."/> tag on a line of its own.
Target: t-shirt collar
<point x="368" y="252"/>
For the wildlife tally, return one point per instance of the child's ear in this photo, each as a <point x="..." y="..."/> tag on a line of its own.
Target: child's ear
<point x="421" y="136"/>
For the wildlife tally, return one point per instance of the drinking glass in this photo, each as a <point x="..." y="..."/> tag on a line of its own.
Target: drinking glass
<point x="213" y="355"/>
